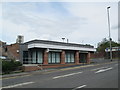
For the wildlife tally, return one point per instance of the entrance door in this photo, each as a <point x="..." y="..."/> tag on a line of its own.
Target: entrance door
<point x="83" y="58"/>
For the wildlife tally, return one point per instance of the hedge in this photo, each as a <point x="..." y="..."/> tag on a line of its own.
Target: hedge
<point x="9" y="66"/>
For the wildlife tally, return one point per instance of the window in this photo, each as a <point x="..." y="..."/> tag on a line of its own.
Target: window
<point x="34" y="57"/>
<point x="54" y="57"/>
<point x="58" y="57"/>
<point x="37" y="57"/>
<point x="69" y="58"/>
<point x="25" y="57"/>
<point x="72" y="57"/>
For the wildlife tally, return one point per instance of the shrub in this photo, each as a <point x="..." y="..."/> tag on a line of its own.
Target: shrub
<point x="9" y="66"/>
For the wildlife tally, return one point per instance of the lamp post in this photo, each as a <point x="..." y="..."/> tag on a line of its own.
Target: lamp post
<point x="63" y="39"/>
<point x="109" y="33"/>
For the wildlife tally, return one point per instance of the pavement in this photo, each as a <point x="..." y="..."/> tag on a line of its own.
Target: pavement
<point x="103" y="74"/>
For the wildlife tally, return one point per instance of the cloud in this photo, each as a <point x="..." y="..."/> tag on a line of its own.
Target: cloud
<point x="11" y="30"/>
<point x="0" y="20"/>
<point x="116" y="27"/>
<point x="52" y="21"/>
<point x="96" y="15"/>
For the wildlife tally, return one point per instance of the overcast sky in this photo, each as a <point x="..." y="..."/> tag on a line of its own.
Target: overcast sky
<point x="80" y="22"/>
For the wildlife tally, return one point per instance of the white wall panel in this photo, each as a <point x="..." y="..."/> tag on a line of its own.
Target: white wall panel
<point x="40" y="45"/>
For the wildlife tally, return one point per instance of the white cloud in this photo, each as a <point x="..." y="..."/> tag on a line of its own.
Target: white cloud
<point x="0" y="20"/>
<point x="59" y="0"/>
<point x="86" y="22"/>
<point x="11" y="30"/>
<point x="96" y="13"/>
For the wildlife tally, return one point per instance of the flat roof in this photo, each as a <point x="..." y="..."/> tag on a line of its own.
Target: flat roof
<point x="58" y="43"/>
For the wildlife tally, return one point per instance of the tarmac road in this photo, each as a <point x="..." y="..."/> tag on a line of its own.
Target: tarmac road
<point x="98" y="75"/>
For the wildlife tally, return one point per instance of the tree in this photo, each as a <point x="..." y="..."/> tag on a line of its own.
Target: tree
<point x="105" y="44"/>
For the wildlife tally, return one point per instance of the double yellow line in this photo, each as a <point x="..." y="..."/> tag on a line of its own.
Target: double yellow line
<point x="15" y="76"/>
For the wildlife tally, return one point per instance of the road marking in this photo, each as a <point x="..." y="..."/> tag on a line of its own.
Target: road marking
<point x="16" y="85"/>
<point x="79" y="87"/>
<point x="98" y="68"/>
<point x="66" y="75"/>
<point x="13" y="77"/>
<point x="102" y="70"/>
<point x="82" y="86"/>
<point x="75" y="67"/>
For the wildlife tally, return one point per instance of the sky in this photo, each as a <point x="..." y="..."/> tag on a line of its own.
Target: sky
<point x="80" y="22"/>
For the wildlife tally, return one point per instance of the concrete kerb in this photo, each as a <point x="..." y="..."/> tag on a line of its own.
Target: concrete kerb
<point x="12" y="75"/>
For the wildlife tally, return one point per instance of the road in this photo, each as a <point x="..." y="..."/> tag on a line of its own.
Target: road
<point x="99" y="75"/>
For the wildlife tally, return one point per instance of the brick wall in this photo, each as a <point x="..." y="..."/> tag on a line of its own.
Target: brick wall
<point x="30" y="68"/>
<point x="63" y="57"/>
<point x="12" y="51"/>
<point x="45" y="57"/>
<point x="39" y="67"/>
<point x="77" y="57"/>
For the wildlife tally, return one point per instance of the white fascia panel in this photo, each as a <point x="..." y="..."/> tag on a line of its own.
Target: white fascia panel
<point x="39" y="45"/>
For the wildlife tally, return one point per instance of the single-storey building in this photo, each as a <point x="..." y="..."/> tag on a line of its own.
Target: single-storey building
<point x="39" y="54"/>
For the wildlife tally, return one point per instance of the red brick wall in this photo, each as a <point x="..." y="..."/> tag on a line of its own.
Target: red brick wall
<point x="12" y="51"/>
<point x="30" y="68"/>
<point x="77" y="57"/>
<point x="45" y="58"/>
<point x="34" y="68"/>
<point x="62" y="57"/>
<point x="98" y="55"/>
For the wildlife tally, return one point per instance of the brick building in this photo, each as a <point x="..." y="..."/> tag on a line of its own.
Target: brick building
<point x="38" y="54"/>
<point x="11" y="52"/>
<point x="2" y="49"/>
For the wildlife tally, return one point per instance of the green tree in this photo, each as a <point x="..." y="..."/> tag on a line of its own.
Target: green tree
<point x="105" y="44"/>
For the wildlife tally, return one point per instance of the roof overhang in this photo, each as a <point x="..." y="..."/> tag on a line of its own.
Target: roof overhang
<point x="51" y="46"/>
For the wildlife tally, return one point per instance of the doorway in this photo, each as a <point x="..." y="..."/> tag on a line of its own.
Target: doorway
<point x="83" y="58"/>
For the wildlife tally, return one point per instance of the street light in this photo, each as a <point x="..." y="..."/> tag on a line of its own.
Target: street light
<point x="109" y="33"/>
<point x="63" y="39"/>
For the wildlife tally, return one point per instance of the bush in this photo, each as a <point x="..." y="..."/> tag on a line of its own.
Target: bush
<point x="9" y="66"/>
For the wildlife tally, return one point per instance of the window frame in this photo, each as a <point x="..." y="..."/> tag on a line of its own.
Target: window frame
<point x="52" y="58"/>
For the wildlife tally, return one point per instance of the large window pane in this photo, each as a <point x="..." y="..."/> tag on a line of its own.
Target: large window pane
<point x="40" y="57"/>
<point x="25" y="57"/>
<point x="58" y="57"/>
<point x="69" y="57"/>
<point x="49" y="58"/>
<point x="54" y="57"/>
<point x="34" y="57"/>
<point x="66" y="57"/>
<point x="72" y="57"/>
